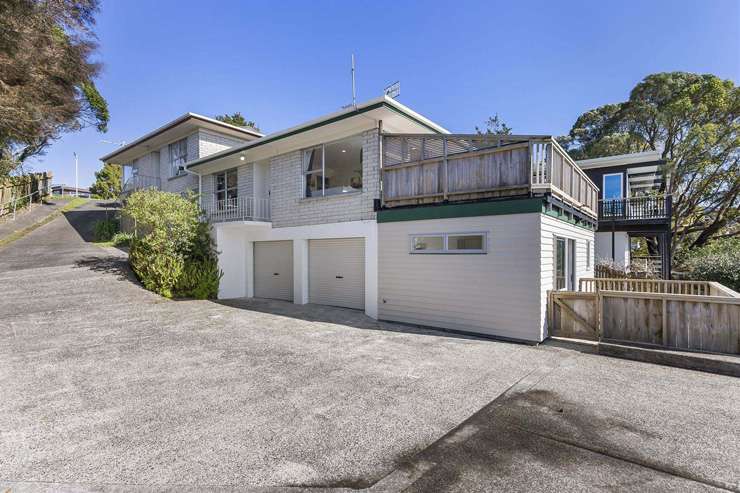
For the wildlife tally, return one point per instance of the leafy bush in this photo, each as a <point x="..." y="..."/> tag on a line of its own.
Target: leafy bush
<point x="719" y="261"/>
<point x="157" y="269"/>
<point x="199" y="280"/>
<point x="172" y="251"/>
<point x="105" y="229"/>
<point x="122" y="239"/>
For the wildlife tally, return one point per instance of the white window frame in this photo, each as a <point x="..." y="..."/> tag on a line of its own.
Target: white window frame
<point x="305" y="172"/>
<point x="224" y="203"/>
<point x="445" y="242"/>
<point x="588" y="254"/>
<point x="621" y="185"/>
<point x="571" y="268"/>
<point x="177" y="160"/>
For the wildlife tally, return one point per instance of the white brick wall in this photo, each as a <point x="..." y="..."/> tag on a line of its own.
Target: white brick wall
<point x="290" y="208"/>
<point x="211" y="143"/>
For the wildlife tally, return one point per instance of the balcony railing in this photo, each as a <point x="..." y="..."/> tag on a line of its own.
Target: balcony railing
<point x="237" y="209"/>
<point x="141" y="182"/>
<point x="428" y="168"/>
<point x="636" y="209"/>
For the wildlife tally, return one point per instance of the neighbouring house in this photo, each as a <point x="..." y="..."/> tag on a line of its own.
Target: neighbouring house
<point x="70" y="190"/>
<point x="159" y="159"/>
<point x="634" y="210"/>
<point x="380" y="209"/>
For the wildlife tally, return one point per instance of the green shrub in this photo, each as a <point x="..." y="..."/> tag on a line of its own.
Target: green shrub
<point x="199" y="280"/>
<point x="718" y="261"/>
<point x="157" y="269"/>
<point x="105" y="229"/>
<point x="172" y="251"/>
<point x="122" y="239"/>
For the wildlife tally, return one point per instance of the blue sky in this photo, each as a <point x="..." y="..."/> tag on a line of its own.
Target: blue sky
<point x="537" y="64"/>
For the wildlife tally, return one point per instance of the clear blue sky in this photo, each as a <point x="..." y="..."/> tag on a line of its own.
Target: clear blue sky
<point x="539" y="64"/>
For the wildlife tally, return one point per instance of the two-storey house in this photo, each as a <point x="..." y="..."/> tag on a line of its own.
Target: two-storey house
<point x="634" y="204"/>
<point x="159" y="158"/>
<point x="378" y="208"/>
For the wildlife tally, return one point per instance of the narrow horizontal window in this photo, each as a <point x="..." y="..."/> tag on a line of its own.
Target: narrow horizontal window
<point x="449" y="243"/>
<point x="427" y="243"/>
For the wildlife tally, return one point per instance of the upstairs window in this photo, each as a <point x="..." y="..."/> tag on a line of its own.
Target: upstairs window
<point x="334" y="168"/>
<point x="227" y="189"/>
<point x="178" y="156"/>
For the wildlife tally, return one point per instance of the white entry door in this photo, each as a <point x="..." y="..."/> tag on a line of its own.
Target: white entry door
<point x="273" y="270"/>
<point x="336" y="272"/>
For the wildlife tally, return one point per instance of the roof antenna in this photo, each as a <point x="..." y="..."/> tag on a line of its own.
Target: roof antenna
<point x="354" y="91"/>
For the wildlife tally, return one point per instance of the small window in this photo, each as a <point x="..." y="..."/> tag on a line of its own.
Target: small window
<point x="429" y="243"/>
<point x="588" y="254"/>
<point x="449" y="243"/>
<point x="178" y="156"/>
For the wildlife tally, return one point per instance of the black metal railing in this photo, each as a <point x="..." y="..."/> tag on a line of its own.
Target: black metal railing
<point x="636" y="208"/>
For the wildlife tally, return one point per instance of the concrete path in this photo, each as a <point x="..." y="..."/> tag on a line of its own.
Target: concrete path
<point x="62" y="241"/>
<point x="28" y="217"/>
<point x="107" y="387"/>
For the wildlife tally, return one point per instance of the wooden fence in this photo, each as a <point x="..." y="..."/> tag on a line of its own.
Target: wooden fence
<point x="15" y="191"/>
<point x="686" y="315"/>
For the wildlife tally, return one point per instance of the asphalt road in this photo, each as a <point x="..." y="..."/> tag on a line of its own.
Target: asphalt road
<point x="107" y="387"/>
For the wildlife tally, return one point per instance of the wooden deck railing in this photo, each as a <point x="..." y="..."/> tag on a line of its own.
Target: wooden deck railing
<point x="636" y="208"/>
<point x="428" y="168"/>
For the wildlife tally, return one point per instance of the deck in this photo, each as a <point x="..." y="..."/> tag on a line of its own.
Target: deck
<point x="427" y="168"/>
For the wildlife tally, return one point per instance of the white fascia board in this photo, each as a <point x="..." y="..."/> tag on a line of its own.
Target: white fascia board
<point x="619" y="160"/>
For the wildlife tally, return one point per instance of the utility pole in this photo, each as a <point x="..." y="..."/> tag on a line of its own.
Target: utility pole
<point x="77" y="181"/>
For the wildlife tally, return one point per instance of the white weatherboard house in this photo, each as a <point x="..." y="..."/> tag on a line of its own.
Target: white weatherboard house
<point x="377" y="208"/>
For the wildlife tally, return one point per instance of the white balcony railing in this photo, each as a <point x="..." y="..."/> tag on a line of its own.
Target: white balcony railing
<point x="141" y="182"/>
<point x="237" y="209"/>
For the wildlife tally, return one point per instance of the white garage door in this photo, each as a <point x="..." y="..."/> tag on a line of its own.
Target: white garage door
<point x="273" y="270"/>
<point x="336" y="272"/>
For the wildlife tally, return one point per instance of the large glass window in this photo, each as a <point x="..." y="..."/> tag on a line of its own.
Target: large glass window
<point x="227" y="189"/>
<point x="334" y="168"/>
<point x="178" y="156"/>
<point x="449" y="243"/>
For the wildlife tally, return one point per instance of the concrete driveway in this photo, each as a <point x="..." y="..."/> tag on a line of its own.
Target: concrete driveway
<point x="107" y="387"/>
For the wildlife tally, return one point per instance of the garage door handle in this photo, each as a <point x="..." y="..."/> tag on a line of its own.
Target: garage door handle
<point x="340" y="277"/>
<point x="275" y="273"/>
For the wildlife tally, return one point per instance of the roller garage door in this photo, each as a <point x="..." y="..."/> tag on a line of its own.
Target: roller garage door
<point x="336" y="272"/>
<point x="273" y="270"/>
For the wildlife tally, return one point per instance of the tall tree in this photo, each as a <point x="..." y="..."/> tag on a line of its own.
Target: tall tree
<point x="494" y="125"/>
<point x="46" y="75"/>
<point x="108" y="181"/>
<point x="238" y="120"/>
<point x="694" y="122"/>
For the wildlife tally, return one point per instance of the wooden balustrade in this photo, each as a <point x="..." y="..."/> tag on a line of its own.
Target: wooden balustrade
<point x="429" y="168"/>
<point x="702" y="288"/>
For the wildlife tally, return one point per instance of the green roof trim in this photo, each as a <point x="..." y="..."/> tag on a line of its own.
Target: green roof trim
<point x="473" y="209"/>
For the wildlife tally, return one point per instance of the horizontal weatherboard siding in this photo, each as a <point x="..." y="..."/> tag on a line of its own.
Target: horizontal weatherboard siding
<point x="496" y="293"/>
